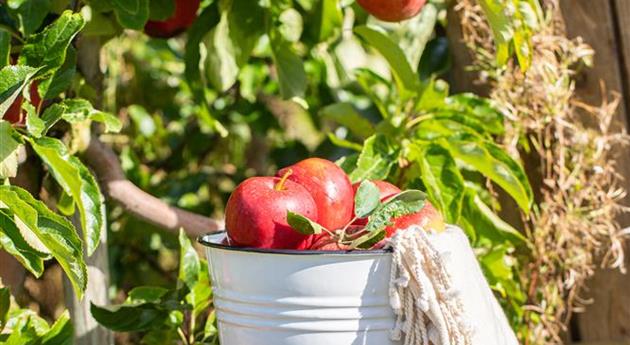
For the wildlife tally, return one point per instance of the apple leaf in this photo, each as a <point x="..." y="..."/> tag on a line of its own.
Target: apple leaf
<point x="13" y="243"/>
<point x="291" y="73"/>
<point x="189" y="265"/>
<point x="406" y="79"/>
<point x="442" y="179"/>
<point x="77" y="181"/>
<point x="132" y="14"/>
<point x="5" y="305"/>
<point x="5" y="47"/>
<point x="79" y="110"/>
<point x="48" y="48"/>
<point x="303" y="225"/>
<point x="8" y="150"/>
<point x="56" y="233"/>
<point x="368" y="240"/>
<point x="345" y="115"/>
<point x="376" y="159"/>
<point x="366" y="199"/>
<point x="407" y="202"/>
<point x="12" y="80"/>
<point x="61" y="332"/>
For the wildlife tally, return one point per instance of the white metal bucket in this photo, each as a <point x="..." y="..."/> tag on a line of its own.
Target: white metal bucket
<point x="286" y="297"/>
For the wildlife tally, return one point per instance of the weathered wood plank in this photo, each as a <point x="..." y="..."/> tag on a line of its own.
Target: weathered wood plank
<point x="609" y="317"/>
<point x="622" y="9"/>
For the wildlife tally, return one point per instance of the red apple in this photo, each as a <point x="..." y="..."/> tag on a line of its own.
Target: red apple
<point x="183" y="17"/>
<point x="256" y="213"/>
<point x="14" y="114"/>
<point x="392" y="10"/>
<point x="330" y="188"/>
<point x="428" y="216"/>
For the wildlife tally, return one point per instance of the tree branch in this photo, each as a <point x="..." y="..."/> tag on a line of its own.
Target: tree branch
<point x="134" y="200"/>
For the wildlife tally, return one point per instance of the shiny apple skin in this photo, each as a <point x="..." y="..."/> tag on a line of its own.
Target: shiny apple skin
<point x="256" y="214"/>
<point x="330" y="188"/>
<point x="392" y="10"/>
<point x="184" y="15"/>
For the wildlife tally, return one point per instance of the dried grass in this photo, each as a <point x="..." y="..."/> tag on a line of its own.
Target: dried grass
<point x="572" y="162"/>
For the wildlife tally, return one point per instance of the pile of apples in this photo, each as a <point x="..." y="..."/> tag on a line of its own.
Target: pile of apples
<point x="267" y="212"/>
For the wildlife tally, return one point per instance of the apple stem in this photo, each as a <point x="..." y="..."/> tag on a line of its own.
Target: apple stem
<point x="280" y="185"/>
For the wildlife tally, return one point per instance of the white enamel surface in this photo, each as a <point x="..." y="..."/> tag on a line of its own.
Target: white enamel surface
<point x="335" y="299"/>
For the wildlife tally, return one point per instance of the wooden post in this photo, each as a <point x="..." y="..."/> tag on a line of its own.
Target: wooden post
<point x="87" y="331"/>
<point x="605" y="25"/>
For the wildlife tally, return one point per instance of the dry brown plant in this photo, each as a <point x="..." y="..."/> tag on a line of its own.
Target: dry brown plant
<point x="569" y="151"/>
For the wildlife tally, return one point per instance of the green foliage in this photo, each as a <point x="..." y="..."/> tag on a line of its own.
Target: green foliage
<point x="29" y="229"/>
<point x="168" y="314"/>
<point x="25" y="327"/>
<point x="303" y="225"/>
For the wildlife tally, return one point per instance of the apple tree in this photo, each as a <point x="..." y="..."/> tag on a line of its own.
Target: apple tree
<point x="131" y="120"/>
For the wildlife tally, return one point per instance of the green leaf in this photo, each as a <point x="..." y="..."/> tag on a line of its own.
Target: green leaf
<point x="406" y="78"/>
<point x="376" y="159"/>
<point x="208" y="19"/>
<point x="62" y="78"/>
<point x="5" y="48"/>
<point x="5" y="305"/>
<point x="230" y="43"/>
<point x="132" y="14"/>
<point x="495" y="164"/>
<point x="130" y="318"/>
<point x="12" y="242"/>
<point x="373" y="85"/>
<point x="31" y="15"/>
<point x="348" y="163"/>
<point x="290" y="67"/>
<point x="47" y="49"/>
<point x="61" y="332"/>
<point x="366" y="199"/>
<point x="436" y="59"/>
<point x="290" y="25"/>
<point x="54" y="231"/>
<point x="51" y="115"/>
<point x="77" y="181"/>
<point x="161" y="10"/>
<point x="442" y="179"/>
<point x="404" y="203"/>
<point x="303" y="225"/>
<point x="412" y="35"/>
<point x="488" y="224"/>
<point x="479" y="109"/>
<point x="12" y="80"/>
<point x="79" y="110"/>
<point x="8" y="151"/>
<point x="200" y="295"/>
<point x="329" y="18"/>
<point x="146" y="294"/>
<point x="189" y="266"/>
<point x="344" y="143"/>
<point x="345" y="115"/>
<point x="210" y="330"/>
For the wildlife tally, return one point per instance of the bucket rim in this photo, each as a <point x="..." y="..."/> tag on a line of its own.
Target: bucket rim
<point x="206" y="241"/>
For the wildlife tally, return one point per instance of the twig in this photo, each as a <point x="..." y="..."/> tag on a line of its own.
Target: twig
<point x="139" y="203"/>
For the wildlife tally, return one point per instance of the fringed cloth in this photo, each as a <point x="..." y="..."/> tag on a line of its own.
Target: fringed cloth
<point x="439" y="293"/>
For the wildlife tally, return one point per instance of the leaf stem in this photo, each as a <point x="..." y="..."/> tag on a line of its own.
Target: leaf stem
<point x="280" y="185"/>
<point x="182" y="335"/>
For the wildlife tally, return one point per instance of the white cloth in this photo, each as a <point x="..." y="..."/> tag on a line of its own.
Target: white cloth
<point x="440" y="294"/>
